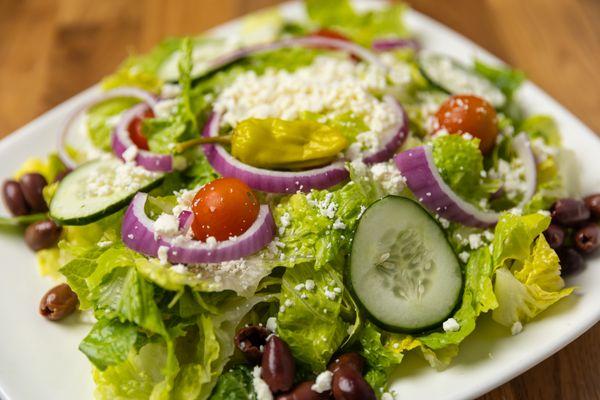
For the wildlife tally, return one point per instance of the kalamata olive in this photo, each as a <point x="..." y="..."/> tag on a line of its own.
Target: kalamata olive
<point x="569" y="212"/>
<point x="13" y="197"/>
<point x="58" y="302"/>
<point x="555" y="235"/>
<point x="304" y="392"/>
<point x="349" y="384"/>
<point x="353" y="360"/>
<point x="61" y="175"/>
<point x="278" y="367"/>
<point x="32" y="185"/>
<point x="571" y="261"/>
<point x="250" y="340"/>
<point x="587" y="238"/>
<point x="593" y="203"/>
<point x="42" y="235"/>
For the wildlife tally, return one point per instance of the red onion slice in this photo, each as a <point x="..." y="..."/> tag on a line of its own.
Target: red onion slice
<point x="393" y="139"/>
<point x="134" y="92"/>
<point x="138" y="234"/>
<point x="308" y="41"/>
<point x="424" y="180"/>
<point x="267" y="180"/>
<point x="185" y="219"/>
<point x="120" y="142"/>
<point x="388" y="44"/>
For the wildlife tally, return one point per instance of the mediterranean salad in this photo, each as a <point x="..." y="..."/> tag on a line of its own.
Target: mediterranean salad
<point x="288" y="211"/>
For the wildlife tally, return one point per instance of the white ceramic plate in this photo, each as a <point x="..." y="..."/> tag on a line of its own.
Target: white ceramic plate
<point x="40" y="360"/>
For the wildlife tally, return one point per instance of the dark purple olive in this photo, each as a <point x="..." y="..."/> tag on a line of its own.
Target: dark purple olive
<point x="587" y="238"/>
<point x="42" y="235"/>
<point x="278" y="367"/>
<point x="61" y="175"/>
<point x="13" y="198"/>
<point x="32" y="186"/>
<point x="593" y="203"/>
<point x="349" y="384"/>
<point x="250" y="340"/>
<point x="569" y="212"/>
<point x="353" y="360"/>
<point x="555" y="235"/>
<point x="571" y="261"/>
<point x="58" y="302"/>
<point x="304" y="392"/>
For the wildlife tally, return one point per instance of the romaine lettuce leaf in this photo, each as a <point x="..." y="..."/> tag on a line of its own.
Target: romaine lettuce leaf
<point x="309" y="319"/>
<point x="109" y="342"/>
<point x="506" y="79"/>
<point x="361" y="27"/>
<point x="235" y="384"/>
<point x="542" y="126"/>
<point x="527" y="291"/>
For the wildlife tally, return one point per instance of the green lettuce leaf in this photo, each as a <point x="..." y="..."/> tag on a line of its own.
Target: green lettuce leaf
<point x="109" y="342"/>
<point x="235" y="384"/>
<point x="309" y="320"/>
<point x="542" y="126"/>
<point x="460" y="164"/>
<point x="361" y="27"/>
<point x="101" y="120"/>
<point x="506" y="79"/>
<point x="527" y="291"/>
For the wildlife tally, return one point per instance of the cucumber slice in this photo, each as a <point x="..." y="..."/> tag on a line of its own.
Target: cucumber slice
<point x="97" y="189"/>
<point x="454" y="78"/>
<point x="402" y="269"/>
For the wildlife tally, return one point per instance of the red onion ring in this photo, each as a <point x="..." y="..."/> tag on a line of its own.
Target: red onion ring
<point x="120" y="142"/>
<point x="268" y="180"/>
<point x="395" y="137"/>
<point x="138" y="234"/>
<point x="426" y="183"/>
<point x="185" y="219"/>
<point x="388" y="44"/>
<point x="125" y="91"/>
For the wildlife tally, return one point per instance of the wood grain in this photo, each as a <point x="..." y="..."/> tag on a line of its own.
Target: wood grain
<point x="52" y="49"/>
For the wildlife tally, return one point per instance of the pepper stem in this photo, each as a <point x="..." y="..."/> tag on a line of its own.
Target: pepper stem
<point x="181" y="147"/>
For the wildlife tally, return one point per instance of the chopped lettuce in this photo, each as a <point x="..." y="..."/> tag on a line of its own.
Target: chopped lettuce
<point x="361" y="27"/>
<point x="109" y="342"/>
<point x="309" y="319"/>
<point x="460" y="164"/>
<point x="541" y="126"/>
<point x="235" y="384"/>
<point x="506" y="79"/>
<point x="101" y="120"/>
<point x="527" y="270"/>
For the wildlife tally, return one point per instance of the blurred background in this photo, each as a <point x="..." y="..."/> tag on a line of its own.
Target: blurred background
<point x="53" y="49"/>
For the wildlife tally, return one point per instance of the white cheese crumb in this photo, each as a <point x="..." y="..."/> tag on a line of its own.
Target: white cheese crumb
<point x="299" y="287"/>
<point x="338" y="224"/>
<point x="387" y="396"/>
<point x="170" y="90"/>
<point x="516" y="328"/>
<point x="271" y="324"/>
<point x="464" y="256"/>
<point x="475" y="241"/>
<point x="309" y="284"/>
<point x="288" y="303"/>
<point x="260" y="386"/>
<point x="211" y="242"/>
<point x="444" y="222"/>
<point x="329" y="294"/>
<point x="104" y="243"/>
<point x="450" y="325"/>
<point x="166" y="225"/>
<point x="179" y="268"/>
<point x="162" y="254"/>
<point x="388" y="177"/>
<point x="322" y="382"/>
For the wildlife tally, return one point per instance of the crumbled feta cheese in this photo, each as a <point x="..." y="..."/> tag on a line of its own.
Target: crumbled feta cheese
<point x="271" y="324"/>
<point x="475" y="241"/>
<point x="211" y="242"/>
<point x="450" y="325"/>
<point x="162" y="254"/>
<point x="179" y="268"/>
<point x="284" y="222"/>
<point x="516" y="328"/>
<point x="389" y="178"/>
<point x="299" y="287"/>
<point x="387" y="396"/>
<point x="322" y="382"/>
<point x="309" y="284"/>
<point x="329" y="294"/>
<point x="261" y="388"/>
<point x="125" y="177"/>
<point x="288" y="303"/>
<point x="170" y="90"/>
<point x="464" y="256"/>
<point x="444" y="222"/>
<point x="166" y="225"/>
<point x="165" y="108"/>
<point x="104" y="243"/>
<point x="338" y="224"/>
<point x="489" y="235"/>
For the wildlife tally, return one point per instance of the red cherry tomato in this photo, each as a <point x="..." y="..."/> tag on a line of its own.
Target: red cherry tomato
<point x="470" y="114"/>
<point x="135" y="130"/>
<point x="223" y="208"/>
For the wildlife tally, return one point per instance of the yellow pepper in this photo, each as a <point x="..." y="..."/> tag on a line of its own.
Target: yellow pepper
<point x="279" y="144"/>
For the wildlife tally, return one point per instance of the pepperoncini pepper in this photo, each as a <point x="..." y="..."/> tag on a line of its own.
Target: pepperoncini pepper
<point x="279" y="144"/>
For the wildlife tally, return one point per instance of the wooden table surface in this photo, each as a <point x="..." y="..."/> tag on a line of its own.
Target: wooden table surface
<point x="52" y="49"/>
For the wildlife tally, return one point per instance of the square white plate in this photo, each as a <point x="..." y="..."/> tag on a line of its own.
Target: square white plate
<point x="39" y="359"/>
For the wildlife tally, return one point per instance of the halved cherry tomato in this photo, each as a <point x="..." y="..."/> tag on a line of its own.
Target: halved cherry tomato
<point x="470" y="114"/>
<point x="135" y="130"/>
<point x="223" y="208"/>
